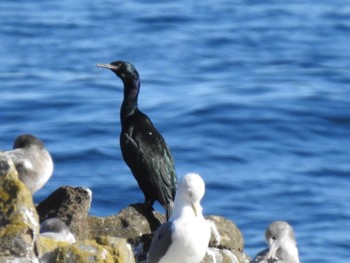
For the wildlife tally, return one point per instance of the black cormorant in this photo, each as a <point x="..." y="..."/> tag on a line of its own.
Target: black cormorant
<point x="143" y="148"/>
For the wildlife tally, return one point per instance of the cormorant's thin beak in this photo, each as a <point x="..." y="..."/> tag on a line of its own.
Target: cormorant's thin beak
<point x="194" y="209"/>
<point x="110" y="66"/>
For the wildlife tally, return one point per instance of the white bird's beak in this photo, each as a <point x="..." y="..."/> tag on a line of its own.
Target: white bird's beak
<point x="272" y="254"/>
<point x="194" y="207"/>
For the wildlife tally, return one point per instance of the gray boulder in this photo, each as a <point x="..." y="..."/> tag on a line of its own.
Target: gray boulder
<point x="71" y="205"/>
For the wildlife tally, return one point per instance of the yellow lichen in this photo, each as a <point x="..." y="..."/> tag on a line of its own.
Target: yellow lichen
<point x="13" y="229"/>
<point x="117" y="247"/>
<point x="48" y="244"/>
<point x="85" y="251"/>
<point x="18" y="214"/>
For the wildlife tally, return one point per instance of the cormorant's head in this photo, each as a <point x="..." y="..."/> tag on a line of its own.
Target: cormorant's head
<point x="26" y="140"/>
<point x="124" y="70"/>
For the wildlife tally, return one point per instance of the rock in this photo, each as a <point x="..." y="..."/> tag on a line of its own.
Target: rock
<point x="131" y="222"/>
<point x="105" y="249"/>
<point x="224" y="256"/>
<point x="225" y="234"/>
<point x="55" y="228"/>
<point x="49" y="249"/>
<point x="124" y="237"/>
<point x="118" y="248"/>
<point x="71" y="205"/>
<point x="226" y="243"/>
<point x="99" y="242"/>
<point x="19" y="224"/>
<point x="134" y="223"/>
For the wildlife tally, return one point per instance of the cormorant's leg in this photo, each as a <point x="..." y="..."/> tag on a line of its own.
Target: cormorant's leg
<point x="149" y="205"/>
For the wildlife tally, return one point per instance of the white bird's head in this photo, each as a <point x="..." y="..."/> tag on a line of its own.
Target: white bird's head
<point x="191" y="190"/>
<point x="281" y="240"/>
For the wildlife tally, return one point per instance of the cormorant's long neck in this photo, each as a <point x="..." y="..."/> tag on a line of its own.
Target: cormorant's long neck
<point x="131" y="92"/>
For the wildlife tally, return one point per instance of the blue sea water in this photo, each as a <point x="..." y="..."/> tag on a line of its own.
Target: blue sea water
<point x="252" y="95"/>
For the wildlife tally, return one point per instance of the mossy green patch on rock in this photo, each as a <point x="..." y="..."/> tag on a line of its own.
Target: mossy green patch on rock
<point x="118" y="247"/>
<point x="19" y="225"/>
<point x="84" y="252"/>
<point x="104" y="249"/>
<point x="47" y="245"/>
<point x="15" y="197"/>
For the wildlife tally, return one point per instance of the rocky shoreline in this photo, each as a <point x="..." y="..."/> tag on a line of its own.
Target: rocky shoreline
<point x="123" y="237"/>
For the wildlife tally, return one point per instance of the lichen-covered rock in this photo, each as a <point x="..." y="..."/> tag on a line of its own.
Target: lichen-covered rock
<point x="87" y="251"/>
<point x="124" y="237"/>
<point x="118" y="248"/>
<point x="224" y="256"/>
<point x="19" y="224"/>
<point x="134" y="223"/>
<point x="71" y="205"/>
<point x="226" y="243"/>
<point x="106" y="250"/>
<point x="48" y="248"/>
<point x="225" y="234"/>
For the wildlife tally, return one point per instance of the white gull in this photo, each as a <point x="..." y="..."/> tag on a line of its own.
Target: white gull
<point x="185" y="237"/>
<point x="282" y="245"/>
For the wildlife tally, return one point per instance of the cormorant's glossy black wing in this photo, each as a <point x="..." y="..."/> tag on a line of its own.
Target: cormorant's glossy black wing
<point x="147" y="155"/>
